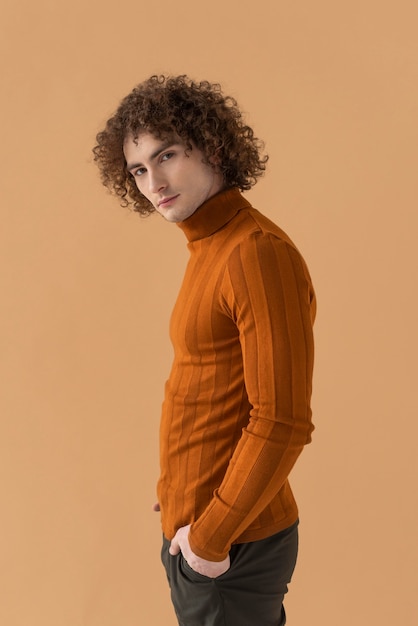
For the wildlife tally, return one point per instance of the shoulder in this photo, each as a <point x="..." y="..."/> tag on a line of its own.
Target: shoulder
<point x="263" y="249"/>
<point x="256" y="232"/>
<point x="263" y="226"/>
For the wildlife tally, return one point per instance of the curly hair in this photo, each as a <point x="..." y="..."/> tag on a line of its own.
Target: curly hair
<point x="195" y="112"/>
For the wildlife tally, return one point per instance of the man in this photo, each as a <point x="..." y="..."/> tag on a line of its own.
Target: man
<point x="236" y="412"/>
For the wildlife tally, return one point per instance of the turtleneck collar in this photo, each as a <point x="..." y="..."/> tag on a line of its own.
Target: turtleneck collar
<point x="213" y="214"/>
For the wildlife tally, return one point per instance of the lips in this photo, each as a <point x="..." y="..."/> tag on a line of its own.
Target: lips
<point x="165" y="201"/>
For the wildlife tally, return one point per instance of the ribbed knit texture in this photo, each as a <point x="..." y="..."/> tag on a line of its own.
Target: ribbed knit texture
<point x="236" y="412"/>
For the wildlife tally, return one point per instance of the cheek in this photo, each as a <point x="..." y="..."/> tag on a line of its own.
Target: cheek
<point x="140" y="186"/>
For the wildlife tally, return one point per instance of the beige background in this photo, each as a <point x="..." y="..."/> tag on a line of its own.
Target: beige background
<point x="87" y="290"/>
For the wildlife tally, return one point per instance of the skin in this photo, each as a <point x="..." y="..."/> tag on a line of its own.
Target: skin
<point x="173" y="178"/>
<point x="180" y="543"/>
<point x="177" y="182"/>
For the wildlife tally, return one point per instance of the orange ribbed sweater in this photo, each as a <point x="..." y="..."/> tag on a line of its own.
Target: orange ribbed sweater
<point x="236" y="412"/>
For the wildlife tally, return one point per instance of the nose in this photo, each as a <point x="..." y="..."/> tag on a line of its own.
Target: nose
<point x="156" y="181"/>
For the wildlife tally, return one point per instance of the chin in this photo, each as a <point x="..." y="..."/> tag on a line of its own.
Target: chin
<point x="173" y="218"/>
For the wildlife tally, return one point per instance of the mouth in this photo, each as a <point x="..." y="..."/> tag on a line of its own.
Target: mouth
<point x="167" y="201"/>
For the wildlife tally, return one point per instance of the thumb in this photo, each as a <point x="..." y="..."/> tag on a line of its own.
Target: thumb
<point x="174" y="547"/>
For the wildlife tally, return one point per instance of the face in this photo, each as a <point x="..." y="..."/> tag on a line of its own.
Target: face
<point x="176" y="182"/>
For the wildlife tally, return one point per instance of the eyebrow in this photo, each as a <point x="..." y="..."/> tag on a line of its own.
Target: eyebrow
<point x="167" y="144"/>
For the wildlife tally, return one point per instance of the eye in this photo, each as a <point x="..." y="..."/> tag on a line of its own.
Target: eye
<point x="167" y="156"/>
<point x="139" y="171"/>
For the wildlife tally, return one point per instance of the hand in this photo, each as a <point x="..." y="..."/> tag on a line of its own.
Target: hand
<point x="211" y="569"/>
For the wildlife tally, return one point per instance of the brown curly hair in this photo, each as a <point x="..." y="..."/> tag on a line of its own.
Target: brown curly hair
<point x="195" y="112"/>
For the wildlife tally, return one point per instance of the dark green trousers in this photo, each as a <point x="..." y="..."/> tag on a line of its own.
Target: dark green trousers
<point x="250" y="593"/>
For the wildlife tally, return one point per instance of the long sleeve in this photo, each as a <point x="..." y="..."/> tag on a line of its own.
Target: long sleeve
<point x="236" y="411"/>
<point x="267" y="292"/>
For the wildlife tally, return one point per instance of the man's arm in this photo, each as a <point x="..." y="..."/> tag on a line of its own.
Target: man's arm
<point x="269" y="295"/>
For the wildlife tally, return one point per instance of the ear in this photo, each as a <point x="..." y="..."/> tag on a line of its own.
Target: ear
<point x="215" y="159"/>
